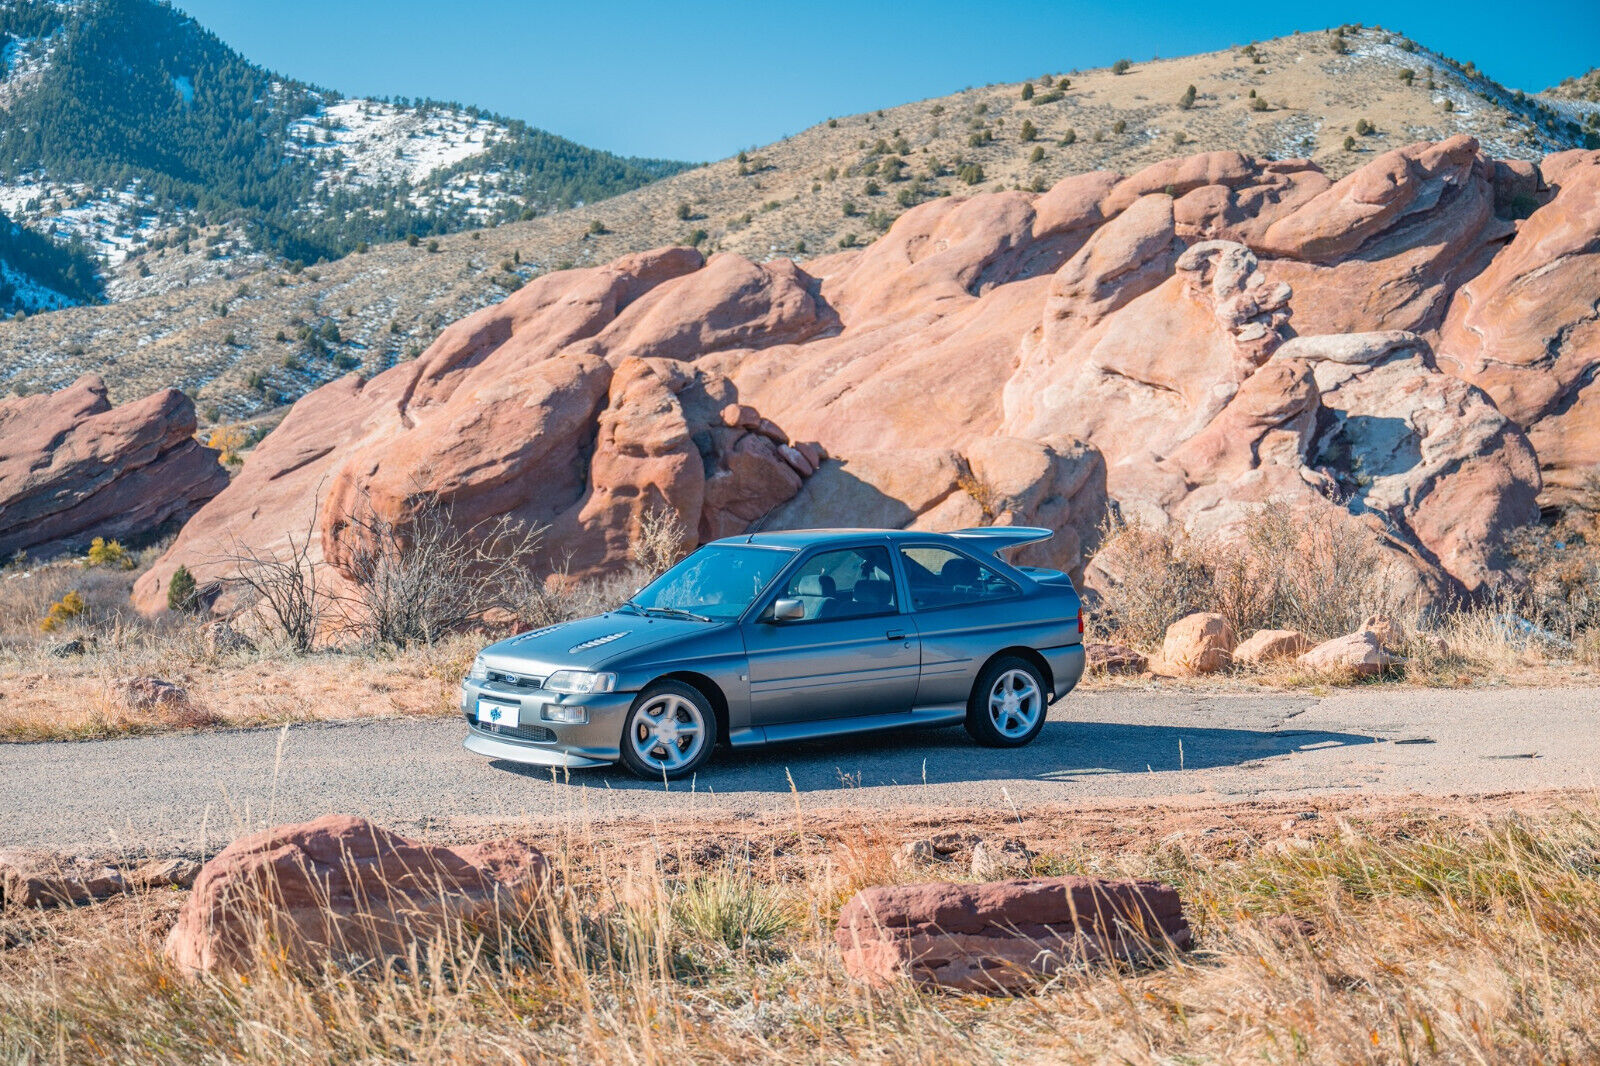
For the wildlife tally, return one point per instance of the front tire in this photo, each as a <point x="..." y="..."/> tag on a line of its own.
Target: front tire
<point x="670" y="731"/>
<point x="1007" y="705"/>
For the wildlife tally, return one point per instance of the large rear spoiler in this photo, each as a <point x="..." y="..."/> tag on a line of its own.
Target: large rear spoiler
<point x="991" y="540"/>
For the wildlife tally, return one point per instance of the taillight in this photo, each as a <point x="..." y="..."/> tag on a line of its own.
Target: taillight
<point x="1080" y="621"/>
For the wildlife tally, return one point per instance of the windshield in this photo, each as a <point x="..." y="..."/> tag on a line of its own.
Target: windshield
<point x="718" y="582"/>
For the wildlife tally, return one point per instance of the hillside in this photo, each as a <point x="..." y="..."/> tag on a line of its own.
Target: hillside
<point x="265" y="334"/>
<point x="168" y="159"/>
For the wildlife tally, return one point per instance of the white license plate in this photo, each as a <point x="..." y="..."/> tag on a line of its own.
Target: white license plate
<point x="494" y="712"/>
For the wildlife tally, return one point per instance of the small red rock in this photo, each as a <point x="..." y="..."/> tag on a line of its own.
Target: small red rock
<point x="1004" y="935"/>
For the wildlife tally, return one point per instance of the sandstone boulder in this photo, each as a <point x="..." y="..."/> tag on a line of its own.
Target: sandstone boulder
<point x="344" y="890"/>
<point x="72" y="467"/>
<point x="1199" y="643"/>
<point x="1357" y="654"/>
<point x="1004" y="936"/>
<point x="997" y="860"/>
<point x="1270" y="645"/>
<point x="1385" y="630"/>
<point x="1114" y="658"/>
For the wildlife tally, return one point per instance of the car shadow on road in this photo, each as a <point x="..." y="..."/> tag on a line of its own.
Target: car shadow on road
<point x="1063" y="751"/>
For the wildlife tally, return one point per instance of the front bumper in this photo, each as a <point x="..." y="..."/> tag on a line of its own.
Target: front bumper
<point x="543" y="743"/>
<point x="1066" y="666"/>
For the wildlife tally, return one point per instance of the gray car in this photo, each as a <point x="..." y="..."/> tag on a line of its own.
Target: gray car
<point x="789" y="636"/>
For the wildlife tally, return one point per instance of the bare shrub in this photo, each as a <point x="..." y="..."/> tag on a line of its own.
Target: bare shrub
<point x="1315" y="573"/>
<point x="417" y="581"/>
<point x="1560" y="586"/>
<point x="660" y="541"/>
<point x="1155" y="578"/>
<point x="280" y="587"/>
<point x="1280" y="569"/>
<point x="560" y="597"/>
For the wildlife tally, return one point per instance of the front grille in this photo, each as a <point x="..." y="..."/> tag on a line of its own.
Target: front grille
<point x="534" y="734"/>
<point x="515" y="680"/>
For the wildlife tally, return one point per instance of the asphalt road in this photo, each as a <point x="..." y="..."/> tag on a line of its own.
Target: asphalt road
<point x="192" y="792"/>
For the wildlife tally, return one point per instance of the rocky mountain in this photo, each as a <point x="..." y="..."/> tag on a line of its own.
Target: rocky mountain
<point x="159" y="158"/>
<point x="266" y="334"/>
<point x="1399" y="350"/>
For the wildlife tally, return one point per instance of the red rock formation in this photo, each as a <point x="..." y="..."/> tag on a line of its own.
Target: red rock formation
<point x="1004" y="936"/>
<point x="1527" y="329"/>
<point x="344" y="890"/>
<point x="72" y="467"/>
<point x="1206" y="336"/>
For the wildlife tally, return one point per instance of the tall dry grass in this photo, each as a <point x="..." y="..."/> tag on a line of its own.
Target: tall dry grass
<point x="1453" y="944"/>
<point x="1281" y="569"/>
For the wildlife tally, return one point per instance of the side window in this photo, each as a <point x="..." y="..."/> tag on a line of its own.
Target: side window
<point x="851" y="582"/>
<point x="939" y="577"/>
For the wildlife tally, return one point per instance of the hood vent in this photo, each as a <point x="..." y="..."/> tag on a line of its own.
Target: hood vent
<point x="597" y="641"/>
<point x="537" y="633"/>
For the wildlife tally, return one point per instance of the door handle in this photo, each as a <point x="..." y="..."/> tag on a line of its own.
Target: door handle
<point x="895" y="634"/>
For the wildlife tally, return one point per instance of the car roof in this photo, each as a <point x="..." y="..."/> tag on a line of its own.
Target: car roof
<point x="978" y="539"/>
<point x="805" y="538"/>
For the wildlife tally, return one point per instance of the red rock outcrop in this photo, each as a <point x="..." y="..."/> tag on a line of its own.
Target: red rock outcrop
<point x="520" y="410"/>
<point x="1190" y="342"/>
<point x="72" y="468"/>
<point x="344" y="890"/>
<point x="1004" y="936"/>
<point x="1527" y="329"/>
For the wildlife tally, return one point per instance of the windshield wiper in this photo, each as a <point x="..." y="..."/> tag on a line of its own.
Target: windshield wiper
<point x="674" y="612"/>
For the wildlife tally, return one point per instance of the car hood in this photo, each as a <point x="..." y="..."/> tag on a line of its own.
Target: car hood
<point x="588" y="643"/>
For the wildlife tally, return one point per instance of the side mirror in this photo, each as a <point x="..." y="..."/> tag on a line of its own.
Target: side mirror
<point x="787" y="610"/>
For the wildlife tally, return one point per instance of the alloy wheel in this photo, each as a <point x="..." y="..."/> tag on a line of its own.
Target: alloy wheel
<point x="1015" y="703"/>
<point x="668" y="732"/>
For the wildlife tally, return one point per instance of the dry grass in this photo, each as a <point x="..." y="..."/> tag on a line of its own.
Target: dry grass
<point x="1285" y="570"/>
<point x="78" y="698"/>
<point x="1406" y="935"/>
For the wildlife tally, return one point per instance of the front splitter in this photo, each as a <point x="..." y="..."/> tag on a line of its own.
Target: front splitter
<point x="500" y="749"/>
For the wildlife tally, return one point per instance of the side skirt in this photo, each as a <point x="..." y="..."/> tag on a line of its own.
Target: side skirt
<point x="921" y="718"/>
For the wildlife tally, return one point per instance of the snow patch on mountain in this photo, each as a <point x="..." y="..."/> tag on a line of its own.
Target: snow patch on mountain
<point x="366" y="142"/>
<point x="28" y="293"/>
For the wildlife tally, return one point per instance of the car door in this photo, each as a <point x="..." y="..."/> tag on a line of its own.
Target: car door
<point x="854" y="653"/>
<point x="965" y="611"/>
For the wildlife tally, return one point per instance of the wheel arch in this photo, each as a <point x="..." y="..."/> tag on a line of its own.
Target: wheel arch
<point x="1022" y="651"/>
<point x="707" y="688"/>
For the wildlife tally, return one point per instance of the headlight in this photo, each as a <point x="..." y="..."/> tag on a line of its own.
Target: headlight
<point x="580" y="682"/>
<point x="479" y="671"/>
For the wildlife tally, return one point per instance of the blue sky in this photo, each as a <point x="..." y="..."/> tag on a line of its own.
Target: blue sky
<point x="700" y="81"/>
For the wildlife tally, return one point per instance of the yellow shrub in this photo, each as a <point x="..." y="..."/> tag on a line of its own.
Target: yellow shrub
<point x="109" y="554"/>
<point x="63" y="611"/>
<point x="228" y="440"/>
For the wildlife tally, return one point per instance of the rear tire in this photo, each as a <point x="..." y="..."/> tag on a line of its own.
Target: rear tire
<point x="1007" y="706"/>
<point x="669" y="732"/>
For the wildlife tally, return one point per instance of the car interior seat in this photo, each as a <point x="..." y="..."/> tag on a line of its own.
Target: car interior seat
<point x="819" y="593"/>
<point x="960" y="576"/>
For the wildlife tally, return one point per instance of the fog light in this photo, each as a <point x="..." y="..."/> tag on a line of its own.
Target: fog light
<point x="565" y="714"/>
